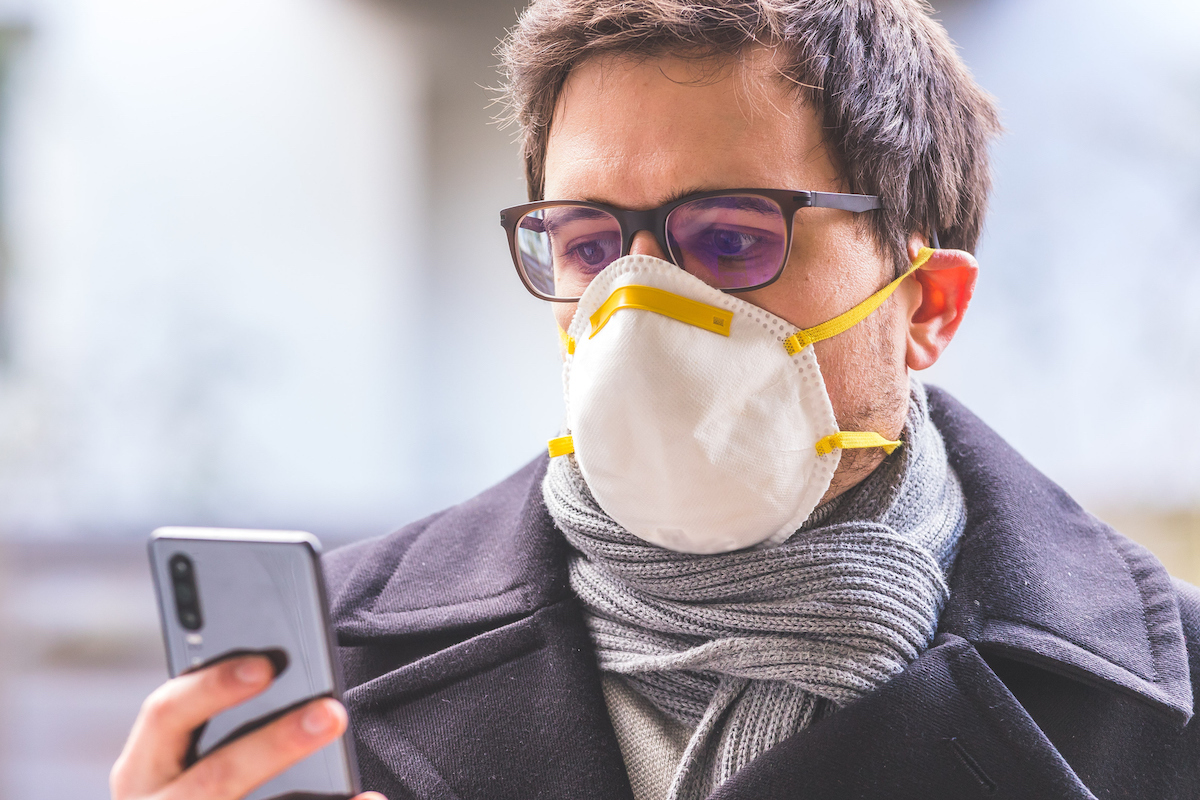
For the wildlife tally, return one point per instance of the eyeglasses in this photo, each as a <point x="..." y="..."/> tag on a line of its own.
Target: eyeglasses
<point x="734" y="240"/>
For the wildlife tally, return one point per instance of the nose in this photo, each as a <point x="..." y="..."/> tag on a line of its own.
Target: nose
<point x="644" y="244"/>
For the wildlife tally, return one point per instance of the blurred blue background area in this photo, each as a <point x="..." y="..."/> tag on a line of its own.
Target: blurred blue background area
<point x="251" y="274"/>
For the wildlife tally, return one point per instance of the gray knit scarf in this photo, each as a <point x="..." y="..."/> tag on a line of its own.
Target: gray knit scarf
<point x="750" y="647"/>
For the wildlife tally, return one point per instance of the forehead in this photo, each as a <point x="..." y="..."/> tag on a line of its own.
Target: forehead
<point x="639" y="132"/>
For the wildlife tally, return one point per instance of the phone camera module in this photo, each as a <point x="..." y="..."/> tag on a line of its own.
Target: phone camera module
<point x="184" y="594"/>
<point x="187" y="599"/>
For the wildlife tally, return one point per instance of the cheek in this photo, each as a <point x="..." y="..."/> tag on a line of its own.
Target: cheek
<point x="563" y="313"/>
<point x="798" y="297"/>
<point x="864" y="370"/>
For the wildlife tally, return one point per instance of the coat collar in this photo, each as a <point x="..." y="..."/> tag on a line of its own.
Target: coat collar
<point x="476" y="566"/>
<point x="1040" y="580"/>
<point x="1037" y="580"/>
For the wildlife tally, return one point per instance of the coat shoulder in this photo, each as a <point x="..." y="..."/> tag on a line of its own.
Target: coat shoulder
<point x="486" y="560"/>
<point x="1189" y="604"/>
<point x="1188" y="597"/>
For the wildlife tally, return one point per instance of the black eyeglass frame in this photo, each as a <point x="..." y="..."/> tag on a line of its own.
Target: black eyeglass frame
<point x="654" y="220"/>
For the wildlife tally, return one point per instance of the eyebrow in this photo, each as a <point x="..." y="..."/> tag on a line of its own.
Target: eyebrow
<point x="569" y="214"/>
<point x="679" y="195"/>
<point x="670" y="198"/>
<point x="738" y="202"/>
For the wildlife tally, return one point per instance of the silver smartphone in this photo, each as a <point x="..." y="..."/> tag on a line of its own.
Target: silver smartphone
<point x="226" y="592"/>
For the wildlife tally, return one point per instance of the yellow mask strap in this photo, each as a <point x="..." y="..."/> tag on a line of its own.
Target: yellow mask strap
<point x="561" y="446"/>
<point x="845" y="440"/>
<point x="660" y="301"/>
<point x="847" y="320"/>
<point x="568" y="341"/>
<point x="854" y="440"/>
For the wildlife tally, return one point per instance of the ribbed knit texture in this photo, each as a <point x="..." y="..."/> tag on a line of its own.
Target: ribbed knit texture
<point x="750" y="647"/>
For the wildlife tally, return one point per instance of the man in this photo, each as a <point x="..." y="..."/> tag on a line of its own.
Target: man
<point x="762" y="561"/>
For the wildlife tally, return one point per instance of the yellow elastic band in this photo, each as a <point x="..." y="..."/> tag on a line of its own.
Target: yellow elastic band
<point x="563" y="445"/>
<point x="649" y="298"/>
<point x="568" y="341"/>
<point x="843" y="440"/>
<point x="845" y="321"/>
<point x="847" y="440"/>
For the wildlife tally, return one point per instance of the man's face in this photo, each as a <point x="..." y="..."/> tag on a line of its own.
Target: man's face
<point x="638" y="133"/>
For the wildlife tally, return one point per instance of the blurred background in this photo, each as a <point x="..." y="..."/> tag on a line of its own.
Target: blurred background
<point x="251" y="275"/>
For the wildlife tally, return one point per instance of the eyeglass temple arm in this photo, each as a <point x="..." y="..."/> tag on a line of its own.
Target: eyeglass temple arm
<point x="857" y="203"/>
<point x="844" y="202"/>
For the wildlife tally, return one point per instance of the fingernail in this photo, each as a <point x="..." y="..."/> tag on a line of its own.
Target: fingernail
<point x="316" y="720"/>
<point x="252" y="671"/>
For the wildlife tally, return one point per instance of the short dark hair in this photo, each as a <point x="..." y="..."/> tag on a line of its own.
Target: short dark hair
<point x="901" y="113"/>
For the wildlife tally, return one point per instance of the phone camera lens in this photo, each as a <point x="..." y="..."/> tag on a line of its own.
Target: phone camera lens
<point x="187" y="599"/>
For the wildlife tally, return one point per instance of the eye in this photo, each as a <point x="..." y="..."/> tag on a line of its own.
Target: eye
<point x="731" y="243"/>
<point x="591" y="253"/>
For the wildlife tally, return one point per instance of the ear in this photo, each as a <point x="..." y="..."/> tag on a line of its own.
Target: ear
<point x="947" y="282"/>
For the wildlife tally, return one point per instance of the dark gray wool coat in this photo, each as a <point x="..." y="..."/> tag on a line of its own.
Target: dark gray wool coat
<point x="1065" y="664"/>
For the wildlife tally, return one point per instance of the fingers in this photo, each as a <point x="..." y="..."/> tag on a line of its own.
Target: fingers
<point x="153" y="755"/>
<point x="236" y="769"/>
<point x="152" y="762"/>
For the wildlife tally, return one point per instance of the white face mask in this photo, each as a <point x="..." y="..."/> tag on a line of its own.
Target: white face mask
<point x="700" y="422"/>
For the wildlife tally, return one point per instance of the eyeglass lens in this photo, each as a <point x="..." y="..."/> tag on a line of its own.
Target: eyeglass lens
<point x="729" y="242"/>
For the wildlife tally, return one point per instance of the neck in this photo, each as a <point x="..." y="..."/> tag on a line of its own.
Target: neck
<point x="888" y="418"/>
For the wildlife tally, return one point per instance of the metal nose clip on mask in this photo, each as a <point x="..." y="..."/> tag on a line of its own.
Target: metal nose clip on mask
<point x="700" y="422"/>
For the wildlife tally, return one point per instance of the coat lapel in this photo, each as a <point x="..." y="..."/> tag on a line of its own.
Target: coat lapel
<point x="1041" y="581"/>
<point x="512" y="713"/>
<point x="946" y="727"/>
<point x="471" y="669"/>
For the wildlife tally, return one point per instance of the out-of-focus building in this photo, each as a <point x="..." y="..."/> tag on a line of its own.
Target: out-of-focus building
<point x="251" y="274"/>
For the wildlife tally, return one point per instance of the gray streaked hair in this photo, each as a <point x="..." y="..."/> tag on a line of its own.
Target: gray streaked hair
<point x="902" y="115"/>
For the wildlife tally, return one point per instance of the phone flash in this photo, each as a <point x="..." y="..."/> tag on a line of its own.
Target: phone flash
<point x="194" y="639"/>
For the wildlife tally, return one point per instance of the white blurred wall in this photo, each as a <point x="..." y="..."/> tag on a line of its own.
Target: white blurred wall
<point x="1083" y="344"/>
<point x="222" y="300"/>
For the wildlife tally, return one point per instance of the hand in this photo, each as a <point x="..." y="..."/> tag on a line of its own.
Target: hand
<point x="151" y="765"/>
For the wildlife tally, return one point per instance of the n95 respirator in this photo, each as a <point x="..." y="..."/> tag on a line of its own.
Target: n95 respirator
<point x="700" y="422"/>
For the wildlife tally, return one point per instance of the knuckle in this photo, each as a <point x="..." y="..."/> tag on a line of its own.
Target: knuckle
<point x="161" y="704"/>
<point x="214" y="776"/>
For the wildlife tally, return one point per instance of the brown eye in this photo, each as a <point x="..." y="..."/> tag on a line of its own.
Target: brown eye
<point x="731" y="243"/>
<point x="591" y="253"/>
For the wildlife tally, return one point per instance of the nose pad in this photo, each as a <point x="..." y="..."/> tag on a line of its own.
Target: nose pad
<point x="644" y="244"/>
